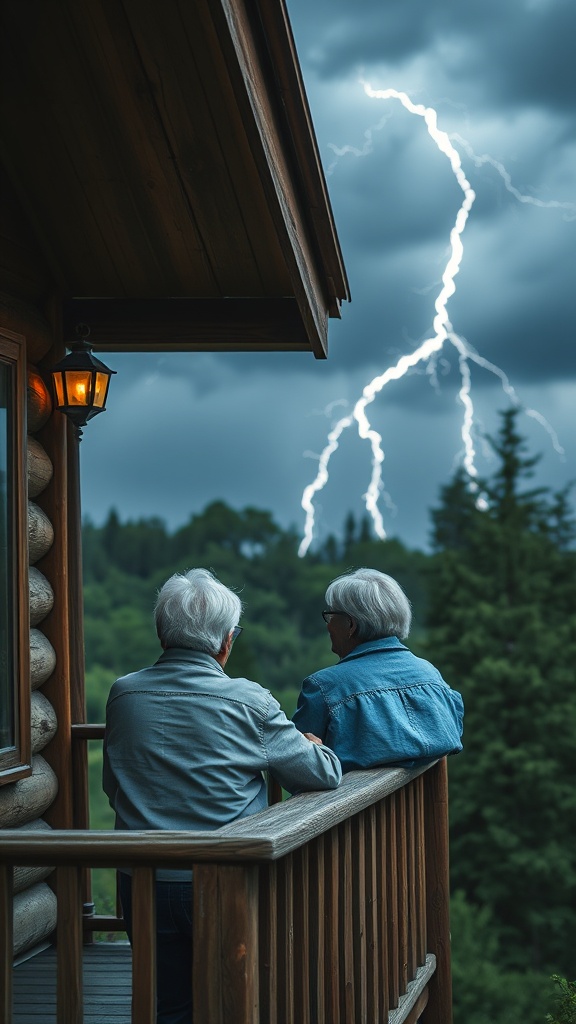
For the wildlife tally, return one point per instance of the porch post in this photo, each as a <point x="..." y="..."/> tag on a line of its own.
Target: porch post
<point x="439" y="1008"/>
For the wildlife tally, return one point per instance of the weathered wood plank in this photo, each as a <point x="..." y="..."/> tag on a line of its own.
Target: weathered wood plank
<point x="107" y="970"/>
<point x="269" y="835"/>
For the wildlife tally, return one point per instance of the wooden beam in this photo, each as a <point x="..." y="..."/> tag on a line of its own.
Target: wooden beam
<point x="160" y="325"/>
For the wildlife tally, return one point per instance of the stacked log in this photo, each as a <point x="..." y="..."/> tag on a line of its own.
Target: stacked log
<point x="23" y="803"/>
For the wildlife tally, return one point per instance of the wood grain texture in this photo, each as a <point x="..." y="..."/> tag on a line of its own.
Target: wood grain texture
<point x="40" y="533"/>
<point x="439" y="1008"/>
<point x="43" y="721"/>
<point x="25" y="800"/>
<point x="41" y="596"/>
<point x="143" y="946"/>
<point x="225" y="943"/>
<point x="265" y="836"/>
<point x="268" y="941"/>
<point x="39" y="399"/>
<point x="34" y="916"/>
<point x="69" y="989"/>
<point x="39" y="467"/>
<point x="42" y="659"/>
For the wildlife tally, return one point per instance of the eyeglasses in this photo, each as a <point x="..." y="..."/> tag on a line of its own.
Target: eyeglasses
<point x="328" y="613"/>
<point x="236" y="632"/>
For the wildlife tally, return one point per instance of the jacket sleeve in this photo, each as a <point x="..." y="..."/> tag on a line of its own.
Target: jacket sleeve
<point x="295" y="762"/>
<point x="311" y="713"/>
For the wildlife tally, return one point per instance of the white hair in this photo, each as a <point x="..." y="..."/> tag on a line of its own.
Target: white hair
<point x="193" y="609"/>
<point x="375" y="601"/>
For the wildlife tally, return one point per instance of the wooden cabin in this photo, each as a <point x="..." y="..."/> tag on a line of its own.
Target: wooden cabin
<point x="160" y="182"/>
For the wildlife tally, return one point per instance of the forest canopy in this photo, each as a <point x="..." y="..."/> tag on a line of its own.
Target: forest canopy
<point x="494" y="609"/>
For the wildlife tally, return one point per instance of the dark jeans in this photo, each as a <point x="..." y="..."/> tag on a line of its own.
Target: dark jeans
<point x="173" y="946"/>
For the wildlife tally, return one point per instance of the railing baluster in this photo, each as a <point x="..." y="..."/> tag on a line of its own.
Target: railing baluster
<point x="206" y="992"/>
<point x="268" y="941"/>
<point x="371" y="900"/>
<point x="358" y="867"/>
<point x="412" y="840"/>
<point x="384" y="868"/>
<point x="345" y="922"/>
<point x="317" y="925"/>
<point x="420" y="871"/>
<point x="143" y="946"/>
<point x="402" y="840"/>
<point x="6" y="942"/>
<point x="69" y="933"/>
<point x="302" y="947"/>
<point x="331" y="915"/>
<point x="286" y="939"/>
<point x="392" y="906"/>
<point x="439" y="1009"/>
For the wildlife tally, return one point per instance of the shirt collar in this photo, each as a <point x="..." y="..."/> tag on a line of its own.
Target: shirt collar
<point x="191" y="657"/>
<point x="384" y="643"/>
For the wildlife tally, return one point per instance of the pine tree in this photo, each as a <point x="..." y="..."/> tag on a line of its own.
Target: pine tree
<point x="503" y="631"/>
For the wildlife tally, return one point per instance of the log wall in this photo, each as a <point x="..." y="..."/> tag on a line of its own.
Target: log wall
<point x="23" y="803"/>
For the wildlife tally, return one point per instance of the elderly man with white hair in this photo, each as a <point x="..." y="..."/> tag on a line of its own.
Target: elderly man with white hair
<point x="185" y="748"/>
<point x="380" y="704"/>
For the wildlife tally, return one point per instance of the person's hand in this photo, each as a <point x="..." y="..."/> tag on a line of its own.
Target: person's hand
<point x="313" y="739"/>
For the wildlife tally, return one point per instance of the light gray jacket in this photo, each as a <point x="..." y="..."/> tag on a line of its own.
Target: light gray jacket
<point x="186" y="745"/>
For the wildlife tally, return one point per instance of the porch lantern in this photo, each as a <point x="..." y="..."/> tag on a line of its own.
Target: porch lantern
<point x="81" y="382"/>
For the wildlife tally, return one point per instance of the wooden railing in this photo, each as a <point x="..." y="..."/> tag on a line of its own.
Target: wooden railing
<point x="331" y="908"/>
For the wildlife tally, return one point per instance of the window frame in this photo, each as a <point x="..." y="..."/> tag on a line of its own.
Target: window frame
<point x="15" y="761"/>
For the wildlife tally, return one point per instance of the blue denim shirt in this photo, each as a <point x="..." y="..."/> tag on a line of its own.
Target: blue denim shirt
<point x="186" y="745"/>
<point x="382" y="705"/>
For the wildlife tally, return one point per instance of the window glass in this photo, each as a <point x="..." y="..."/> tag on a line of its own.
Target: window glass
<point x="7" y="709"/>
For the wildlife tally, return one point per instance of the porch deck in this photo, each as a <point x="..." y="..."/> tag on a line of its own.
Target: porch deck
<point x="107" y="986"/>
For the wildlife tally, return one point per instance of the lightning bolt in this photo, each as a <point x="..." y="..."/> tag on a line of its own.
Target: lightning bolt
<point x="546" y="204"/>
<point x="429" y="349"/>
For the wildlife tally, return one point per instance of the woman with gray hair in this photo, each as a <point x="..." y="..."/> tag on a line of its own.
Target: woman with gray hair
<point x="185" y="748"/>
<point x="380" y="704"/>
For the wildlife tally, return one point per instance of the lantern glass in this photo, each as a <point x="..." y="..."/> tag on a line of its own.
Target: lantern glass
<point x="57" y="377"/>
<point x="100" y="389"/>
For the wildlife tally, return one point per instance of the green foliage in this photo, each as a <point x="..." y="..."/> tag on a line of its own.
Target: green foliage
<point x="565" y="1009"/>
<point x="485" y="992"/>
<point x="503" y="631"/>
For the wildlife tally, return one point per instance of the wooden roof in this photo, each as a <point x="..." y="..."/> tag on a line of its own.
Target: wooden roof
<point x="164" y="156"/>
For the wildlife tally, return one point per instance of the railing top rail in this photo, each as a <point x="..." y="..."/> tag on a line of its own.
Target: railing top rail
<point x="273" y="833"/>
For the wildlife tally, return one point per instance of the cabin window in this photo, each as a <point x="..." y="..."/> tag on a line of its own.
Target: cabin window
<point x="14" y="660"/>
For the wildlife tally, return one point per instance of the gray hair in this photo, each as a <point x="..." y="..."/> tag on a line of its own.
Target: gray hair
<point x="193" y="609"/>
<point x="375" y="601"/>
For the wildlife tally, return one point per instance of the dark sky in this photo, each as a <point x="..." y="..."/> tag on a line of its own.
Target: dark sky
<point x="182" y="430"/>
